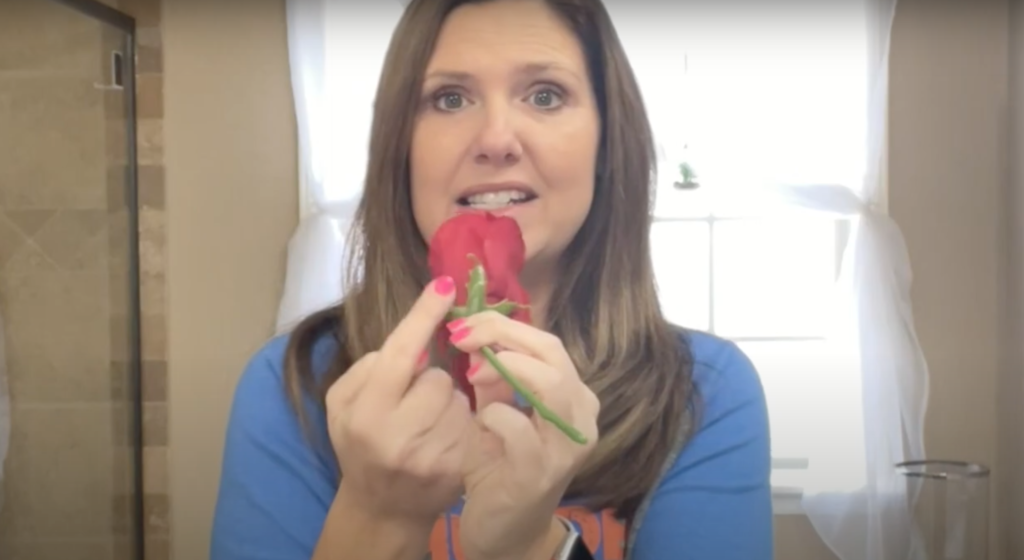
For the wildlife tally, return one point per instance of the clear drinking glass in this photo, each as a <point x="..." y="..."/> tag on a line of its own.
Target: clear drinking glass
<point x="950" y="515"/>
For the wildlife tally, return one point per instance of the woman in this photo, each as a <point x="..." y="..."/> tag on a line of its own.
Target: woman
<point x="526" y="108"/>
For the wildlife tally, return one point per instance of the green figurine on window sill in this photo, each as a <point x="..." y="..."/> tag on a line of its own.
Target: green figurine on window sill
<point x="688" y="176"/>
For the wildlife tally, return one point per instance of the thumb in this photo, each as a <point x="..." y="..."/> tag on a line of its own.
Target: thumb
<point x="523" y="447"/>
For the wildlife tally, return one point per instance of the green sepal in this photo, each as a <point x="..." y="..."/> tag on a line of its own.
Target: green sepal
<point x="476" y="290"/>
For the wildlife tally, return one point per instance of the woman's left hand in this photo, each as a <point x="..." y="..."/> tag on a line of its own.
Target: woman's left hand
<point x="519" y="466"/>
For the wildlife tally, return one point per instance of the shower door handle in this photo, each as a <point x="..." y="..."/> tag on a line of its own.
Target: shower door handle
<point x="116" y="73"/>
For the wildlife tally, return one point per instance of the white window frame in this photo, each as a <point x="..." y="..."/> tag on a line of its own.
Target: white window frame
<point x="786" y="499"/>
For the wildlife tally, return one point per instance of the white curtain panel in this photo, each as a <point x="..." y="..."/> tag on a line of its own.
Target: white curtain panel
<point x="853" y="498"/>
<point x="314" y="271"/>
<point x="333" y="109"/>
<point x="871" y="520"/>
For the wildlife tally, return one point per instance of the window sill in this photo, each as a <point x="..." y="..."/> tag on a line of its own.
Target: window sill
<point x="788" y="485"/>
<point x="787" y="500"/>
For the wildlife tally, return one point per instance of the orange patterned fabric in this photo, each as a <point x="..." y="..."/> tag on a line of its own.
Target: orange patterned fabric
<point x="604" y="535"/>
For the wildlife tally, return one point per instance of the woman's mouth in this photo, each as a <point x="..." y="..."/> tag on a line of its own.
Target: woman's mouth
<point x="496" y="200"/>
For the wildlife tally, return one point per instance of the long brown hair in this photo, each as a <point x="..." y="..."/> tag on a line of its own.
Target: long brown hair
<point x="605" y="307"/>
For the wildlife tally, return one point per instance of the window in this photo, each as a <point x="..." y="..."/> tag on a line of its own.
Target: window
<point x="354" y="50"/>
<point x="745" y="99"/>
<point x="740" y="104"/>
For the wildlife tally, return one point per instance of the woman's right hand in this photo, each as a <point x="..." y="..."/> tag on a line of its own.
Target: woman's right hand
<point x="400" y="432"/>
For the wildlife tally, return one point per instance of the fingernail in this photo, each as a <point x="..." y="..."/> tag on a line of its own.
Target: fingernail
<point x="444" y="285"/>
<point x="456" y="324"/>
<point x="473" y="369"/>
<point x="459" y="335"/>
<point x="422" y="361"/>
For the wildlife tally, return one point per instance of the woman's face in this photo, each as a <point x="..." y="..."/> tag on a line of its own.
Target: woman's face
<point x="508" y="123"/>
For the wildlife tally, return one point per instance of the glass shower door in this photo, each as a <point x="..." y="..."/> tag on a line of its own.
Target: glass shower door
<point x="68" y="283"/>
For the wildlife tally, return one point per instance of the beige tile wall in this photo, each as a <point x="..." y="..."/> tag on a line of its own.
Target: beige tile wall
<point x="64" y="284"/>
<point x="54" y="286"/>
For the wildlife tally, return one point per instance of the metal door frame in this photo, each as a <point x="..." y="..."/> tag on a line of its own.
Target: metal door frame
<point x="125" y="23"/>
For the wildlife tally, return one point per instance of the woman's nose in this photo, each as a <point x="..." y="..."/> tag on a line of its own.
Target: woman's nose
<point x="498" y="142"/>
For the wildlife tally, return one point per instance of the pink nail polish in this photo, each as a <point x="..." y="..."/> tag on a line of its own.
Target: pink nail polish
<point x="444" y="285"/>
<point x="423" y="359"/>
<point x="473" y="369"/>
<point x="459" y="335"/>
<point x="455" y="325"/>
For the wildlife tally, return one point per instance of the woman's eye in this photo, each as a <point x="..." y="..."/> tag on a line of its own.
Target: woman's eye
<point x="547" y="99"/>
<point x="449" y="101"/>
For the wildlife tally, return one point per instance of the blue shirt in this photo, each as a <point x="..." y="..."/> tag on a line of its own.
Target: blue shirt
<point x="713" y="504"/>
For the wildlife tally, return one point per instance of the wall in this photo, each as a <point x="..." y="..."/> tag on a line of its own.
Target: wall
<point x="64" y="234"/>
<point x="1011" y="380"/>
<point x="231" y="203"/>
<point x="230" y="133"/>
<point x="948" y="114"/>
<point x="63" y="284"/>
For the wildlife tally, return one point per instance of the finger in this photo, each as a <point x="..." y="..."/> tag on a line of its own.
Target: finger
<point x="356" y="379"/>
<point x="535" y="376"/>
<point x="494" y="329"/>
<point x="444" y="444"/>
<point x="490" y="388"/>
<point x="346" y="389"/>
<point x="523" y="447"/>
<point x="426" y="401"/>
<point x="395" y="366"/>
<point x="421" y="364"/>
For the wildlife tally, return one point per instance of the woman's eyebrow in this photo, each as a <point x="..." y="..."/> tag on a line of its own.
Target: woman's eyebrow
<point x="529" y="70"/>
<point x="538" y="68"/>
<point x="450" y="76"/>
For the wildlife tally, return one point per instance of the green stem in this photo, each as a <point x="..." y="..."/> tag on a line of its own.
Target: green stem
<point x="476" y="290"/>
<point x="539" y="407"/>
<point x="476" y="302"/>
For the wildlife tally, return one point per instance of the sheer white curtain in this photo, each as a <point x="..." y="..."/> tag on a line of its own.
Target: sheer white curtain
<point x="872" y="522"/>
<point x="336" y="50"/>
<point x="853" y="497"/>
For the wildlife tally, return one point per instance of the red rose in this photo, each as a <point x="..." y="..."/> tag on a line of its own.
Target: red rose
<point x="496" y="242"/>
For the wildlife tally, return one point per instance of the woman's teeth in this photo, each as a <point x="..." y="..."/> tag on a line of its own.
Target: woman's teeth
<point x="495" y="200"/>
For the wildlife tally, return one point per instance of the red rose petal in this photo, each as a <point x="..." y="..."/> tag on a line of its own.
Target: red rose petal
<point x="497" y="243"/>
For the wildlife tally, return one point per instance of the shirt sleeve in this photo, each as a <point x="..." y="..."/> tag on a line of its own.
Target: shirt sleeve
<point x="275" y="488"/>
<point x="715" y="502"/>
